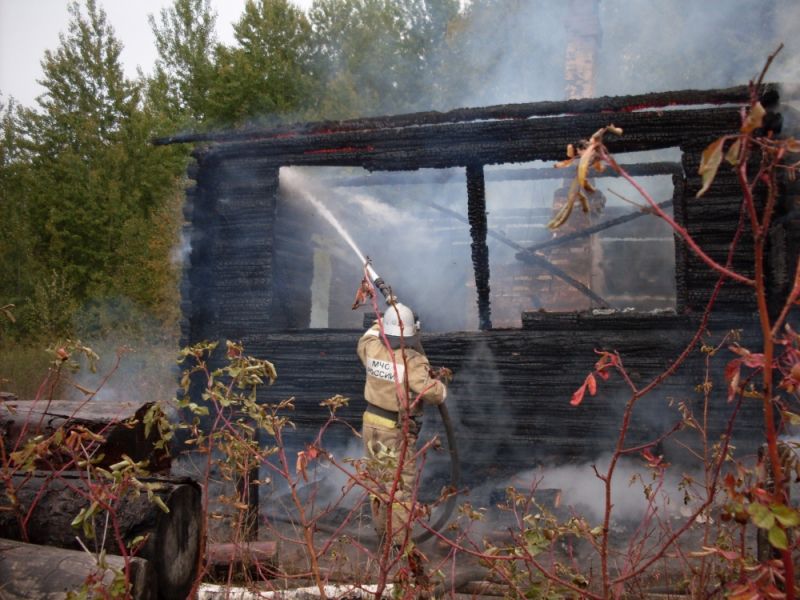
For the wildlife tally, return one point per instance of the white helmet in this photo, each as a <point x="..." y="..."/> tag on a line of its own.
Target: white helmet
<point x="398" y="320"/>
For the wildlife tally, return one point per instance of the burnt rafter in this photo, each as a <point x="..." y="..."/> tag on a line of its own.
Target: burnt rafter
<point x="476" y="210"/>
<point x="525" y="255"/>
<point x="517" y="111"/>
<point x="484" y="142"/>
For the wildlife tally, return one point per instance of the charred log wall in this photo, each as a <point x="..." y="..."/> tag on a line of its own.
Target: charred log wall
<point x="250" y="271"/>
<point x="510" y="397"/>
<point x="228" y="284"/>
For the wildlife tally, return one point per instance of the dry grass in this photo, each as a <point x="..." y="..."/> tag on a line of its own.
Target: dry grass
<point x="145" y="371"/>
<point x="23" y="367"/>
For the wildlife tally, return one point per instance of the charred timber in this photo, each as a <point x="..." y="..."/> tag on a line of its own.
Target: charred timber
<point x="119" y="423"/>
<point x="486" y="142"/>
<point x="531" y="258"/>
<point x="50" y="502"/>
<point x="33" y="572"/>
<point x="478" y="227"/>
<point x="519" y="111"/>
<point x="520" y="381"/>
<point x="586" y="232"/>
<point x="254" y="558"/>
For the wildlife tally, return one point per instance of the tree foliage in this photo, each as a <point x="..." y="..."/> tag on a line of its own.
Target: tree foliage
<point x="266" y="75"/>
<point x="378" y="56"/>
<point x="90" y="209"/>
<point x="92" y="184"/>
<point x="185" y="39"/>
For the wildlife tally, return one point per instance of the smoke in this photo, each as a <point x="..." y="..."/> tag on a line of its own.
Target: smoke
<point x="635" y="489"/>
<point x="681" y="44"/>
<point x="181" y="252"/>
<point x="131" y="368"/>
<point x="420" y="252"/>
<point x="643" y="46"/>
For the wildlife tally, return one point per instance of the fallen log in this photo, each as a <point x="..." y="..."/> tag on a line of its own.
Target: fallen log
<point x="256" y="558"/>
<point x="47" y="503"/>
<point x="120" y="423"/>
<point x="31" y="572"/>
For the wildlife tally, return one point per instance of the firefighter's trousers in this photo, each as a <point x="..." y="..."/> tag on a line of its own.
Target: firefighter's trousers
<point x="383" y="442"/>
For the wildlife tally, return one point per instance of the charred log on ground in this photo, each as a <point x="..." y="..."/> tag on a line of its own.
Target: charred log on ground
<point x="32" y="572"/>
<point x="47" y="503"/>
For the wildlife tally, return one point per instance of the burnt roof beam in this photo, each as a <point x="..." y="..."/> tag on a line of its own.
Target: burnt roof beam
<point x="516" y="111"/>
<point x="487" y="142"/>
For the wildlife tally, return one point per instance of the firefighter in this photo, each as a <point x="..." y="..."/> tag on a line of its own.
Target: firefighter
<point x="399" y="380"/>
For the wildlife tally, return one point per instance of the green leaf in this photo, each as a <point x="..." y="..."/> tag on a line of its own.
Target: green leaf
<point x="761" y="516"/>
<point x="79" y="519"/>
<point x="777" y="537"/>
<point x="787" y="516"/>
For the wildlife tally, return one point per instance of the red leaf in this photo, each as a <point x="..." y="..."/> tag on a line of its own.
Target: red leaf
<point x="729" y="554"/>
<point x="751" y="359"/>
<point x="577" y="397"/>
<point x="652" y="460"/>
<point x="754" y="360"/>
<point x="732" y="375"/>
<point x="592" y="384"/>
<point x="762" y="494"/>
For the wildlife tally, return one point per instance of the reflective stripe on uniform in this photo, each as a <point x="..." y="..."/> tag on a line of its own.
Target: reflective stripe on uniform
<point x="379" y="421"/>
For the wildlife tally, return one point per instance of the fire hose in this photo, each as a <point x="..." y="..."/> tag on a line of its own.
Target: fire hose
<point x="455" y="466"/>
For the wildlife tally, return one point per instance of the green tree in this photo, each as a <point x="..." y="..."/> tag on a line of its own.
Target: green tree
<point x="18" y="267"/>
<point x="379" y="56"/>
<point x="266" y="76"/>
<point x="184" y="70"/>
<point x="96" y="184"/>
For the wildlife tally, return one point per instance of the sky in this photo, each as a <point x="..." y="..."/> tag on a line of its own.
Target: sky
<point x="29" y="27"/>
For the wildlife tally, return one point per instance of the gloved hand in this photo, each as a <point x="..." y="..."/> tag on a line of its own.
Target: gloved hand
<point x="443" y="374"/>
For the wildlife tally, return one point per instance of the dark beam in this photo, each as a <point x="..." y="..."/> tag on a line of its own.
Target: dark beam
<point x="476" y="210"/>
<point x="533" y="259"/>
<point x="586" y="232"/>
<point x="483" y="142"/>
<point x="518" y="111"/>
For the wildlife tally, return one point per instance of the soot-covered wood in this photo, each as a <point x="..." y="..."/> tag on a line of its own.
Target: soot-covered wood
<point x="484" y="142"/>
<point x="33" y="572"/>
<point x="510" y="398"/>
<point x="228" y="281"/>
<point x="119" y="423"/>
<point x="51" y="501"/>
<point x="605" y="104"/>
<point x="511" y="395"/>
<point x="476" y="211"/>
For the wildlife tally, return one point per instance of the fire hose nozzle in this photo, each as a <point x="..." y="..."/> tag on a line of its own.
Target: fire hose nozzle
<point x="380" y="284"/>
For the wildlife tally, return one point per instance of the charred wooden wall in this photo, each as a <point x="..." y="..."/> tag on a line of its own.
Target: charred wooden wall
<point x="248" y="273"/>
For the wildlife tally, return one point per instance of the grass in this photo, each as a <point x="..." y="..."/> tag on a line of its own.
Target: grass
<point x="23" y="367"/>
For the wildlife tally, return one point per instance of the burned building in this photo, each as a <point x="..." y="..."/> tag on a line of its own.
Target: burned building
<point x="461" y="200"/>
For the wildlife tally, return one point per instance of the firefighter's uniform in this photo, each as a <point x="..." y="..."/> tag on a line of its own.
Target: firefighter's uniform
<point x="382" y="427"/>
